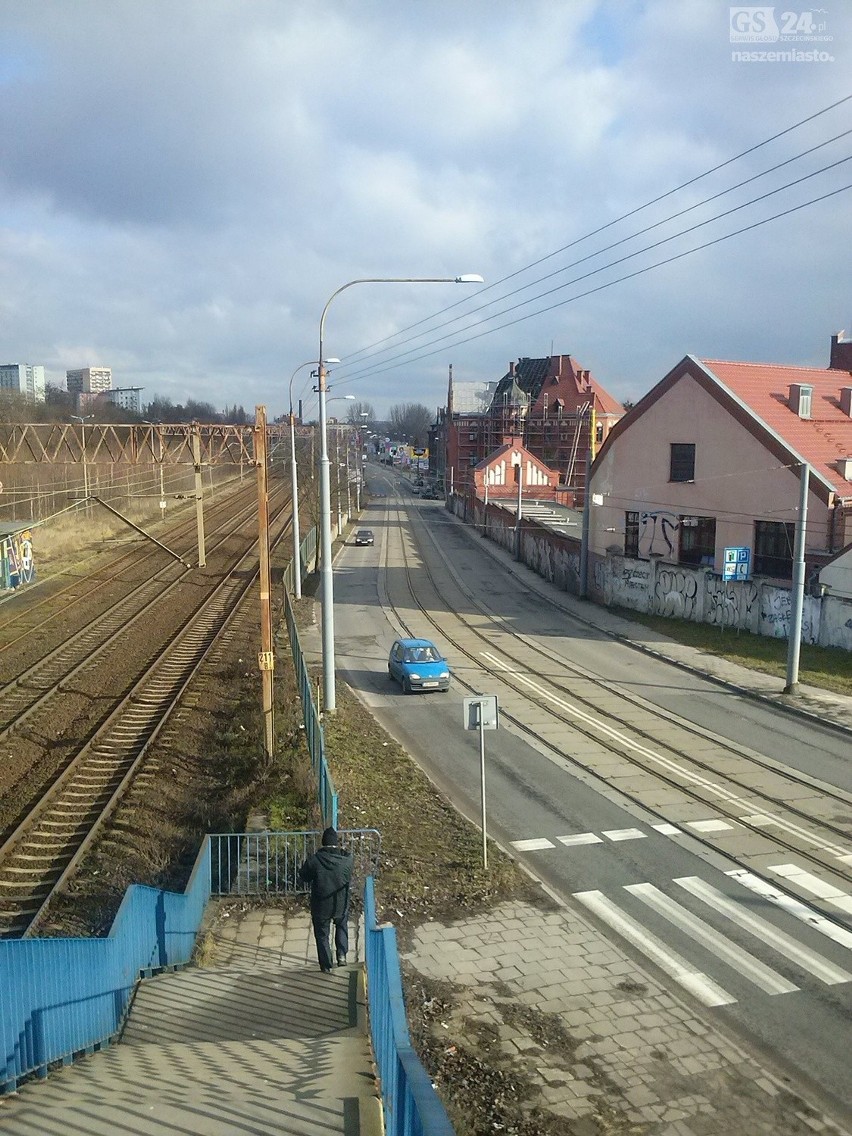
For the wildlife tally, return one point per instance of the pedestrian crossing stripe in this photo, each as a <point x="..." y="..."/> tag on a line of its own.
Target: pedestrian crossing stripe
<point x="712" y="940"/>
<point x="742" y="961"/>
<point x="780" y="942"/>
<point x="793" y="906"/>
<point x="670" y="962"/>
<point x="816" y="886"/>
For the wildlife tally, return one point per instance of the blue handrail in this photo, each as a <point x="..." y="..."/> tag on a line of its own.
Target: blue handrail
<point x="410" y="1104"/>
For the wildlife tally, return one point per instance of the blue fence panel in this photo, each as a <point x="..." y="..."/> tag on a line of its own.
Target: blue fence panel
<point x="63" y="997"/>
<point x="410" y="1104"/>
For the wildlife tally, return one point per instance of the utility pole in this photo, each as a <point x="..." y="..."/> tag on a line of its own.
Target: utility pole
<point x="199" y="494"/>
<point x="584" y="545"/>
<point x="794" y="639"/>
<point x="266" y="658"/>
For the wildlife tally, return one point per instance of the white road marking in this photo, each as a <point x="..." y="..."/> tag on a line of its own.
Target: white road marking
<point x="625" y="834"/>
<point x="816" y="886"/>
<point x="758" y="820"/>
<point x="784" y="944"/>
<point x="845" y="859"/>
<point x="709" y="825"/>
<point x="532" y="845"/>
<point x="744" y="963"/>
<point x="793" y="906"/>
<point x="580" y="838"/>
<point x="668" y="829"/>
<point x="697" y="983"/>
<point x="732" y="799"/>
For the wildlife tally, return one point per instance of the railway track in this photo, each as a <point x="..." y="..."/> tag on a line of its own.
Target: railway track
<point x="46" y="846"/>
<point x="36" y="618"/>
<point x="39" y="684"/>
<point x="800" y="816"/>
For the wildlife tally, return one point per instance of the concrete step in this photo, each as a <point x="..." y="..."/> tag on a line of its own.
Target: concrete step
<point x="220" y="1052"/>
<point x="232" y="1004"/>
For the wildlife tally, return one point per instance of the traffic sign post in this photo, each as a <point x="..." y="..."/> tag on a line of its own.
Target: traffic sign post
<point x="480" y="713"/>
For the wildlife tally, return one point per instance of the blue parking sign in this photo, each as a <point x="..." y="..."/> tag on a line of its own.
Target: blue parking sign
<point x="736" y="564"/>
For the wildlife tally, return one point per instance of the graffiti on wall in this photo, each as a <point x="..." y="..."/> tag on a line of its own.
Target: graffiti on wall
<point x="731" y="604"/>
<point x="676" y="593"/>
<point x="656" y="528"/>
<point x="18" y="555"/>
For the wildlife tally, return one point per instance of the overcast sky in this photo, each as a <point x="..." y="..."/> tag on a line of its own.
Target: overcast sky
<point x="184" y="184"/>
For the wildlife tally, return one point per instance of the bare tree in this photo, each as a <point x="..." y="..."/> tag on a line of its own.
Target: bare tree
<point x="357" y="410"/>
<point x="411" y="421"/>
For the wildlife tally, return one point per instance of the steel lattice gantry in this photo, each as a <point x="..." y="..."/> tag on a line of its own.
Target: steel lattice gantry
<point x="137" y="444"/>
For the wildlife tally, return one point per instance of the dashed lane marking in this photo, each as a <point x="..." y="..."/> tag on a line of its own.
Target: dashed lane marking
<point x="625" y="834"/>
<point x="532" y="845"/>
<point x="580" y="838"/>
<point x="709" y="825"/>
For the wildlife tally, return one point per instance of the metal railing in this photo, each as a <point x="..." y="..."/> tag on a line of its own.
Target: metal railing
<point x="60" y="998"/>
<point x="410" y="1104"/>
<point x="267" y="863"/>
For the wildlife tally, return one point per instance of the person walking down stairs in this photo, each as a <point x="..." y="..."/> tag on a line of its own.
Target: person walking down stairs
<point x="329" y="872"/>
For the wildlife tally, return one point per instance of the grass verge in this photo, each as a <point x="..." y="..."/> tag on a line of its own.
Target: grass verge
<point x="826" y="667"/>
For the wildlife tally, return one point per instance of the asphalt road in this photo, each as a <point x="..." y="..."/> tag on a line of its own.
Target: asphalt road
<point x="776" y="975"/>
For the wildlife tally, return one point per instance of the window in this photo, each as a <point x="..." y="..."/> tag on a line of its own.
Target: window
<point x="773" y="549"/>
<point x="682" y="461"/>
<point x="697" y="541"/>
<point x="631" y="534"/>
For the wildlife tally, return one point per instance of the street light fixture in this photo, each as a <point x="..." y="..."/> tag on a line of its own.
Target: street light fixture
<point x="294" y="484"/>
<point x="327" y="593"/>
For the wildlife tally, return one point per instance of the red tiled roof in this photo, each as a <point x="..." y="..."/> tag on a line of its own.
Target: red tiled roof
<point x="765" y="389"/>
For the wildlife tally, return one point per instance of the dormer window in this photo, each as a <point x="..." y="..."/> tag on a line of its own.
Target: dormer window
<point x="801" y="395"/>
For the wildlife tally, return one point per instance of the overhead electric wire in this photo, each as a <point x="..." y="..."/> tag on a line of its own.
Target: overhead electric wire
<point x="620" y="260"/>
<point x="623" y="217"/>
<point x="393" y="363"/>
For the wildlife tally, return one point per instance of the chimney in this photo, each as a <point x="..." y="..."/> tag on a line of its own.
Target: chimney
<point x="841" y="353"/>
<point x="800" y="399"/>
<point x="846" y="401"/>
<point x="512" y="369"/>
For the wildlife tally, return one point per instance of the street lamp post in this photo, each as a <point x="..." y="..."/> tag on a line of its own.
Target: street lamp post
<point x="294" y="485"/>
<point x="326" y="576"/>
<point x="83" y="419"/>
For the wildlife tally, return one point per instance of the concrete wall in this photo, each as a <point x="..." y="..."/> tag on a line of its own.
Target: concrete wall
<point x="658" y="588"/>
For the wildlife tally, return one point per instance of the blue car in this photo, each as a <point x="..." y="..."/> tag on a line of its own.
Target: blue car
<point x="417" y="664"/>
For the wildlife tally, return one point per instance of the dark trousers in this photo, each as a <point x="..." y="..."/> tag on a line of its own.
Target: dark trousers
<point x="322" y="928"/>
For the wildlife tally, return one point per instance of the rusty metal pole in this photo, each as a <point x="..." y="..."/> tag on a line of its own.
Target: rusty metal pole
<point x="266" y="658"/>
<point x="199" y="492"/>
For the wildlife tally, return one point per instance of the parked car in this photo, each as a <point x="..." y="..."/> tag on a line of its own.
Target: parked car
<point x="417" y="664"/>
<point x="364" y="536"/>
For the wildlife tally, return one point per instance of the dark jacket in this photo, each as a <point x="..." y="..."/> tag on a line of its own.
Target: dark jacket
<point x="329" y="872"/>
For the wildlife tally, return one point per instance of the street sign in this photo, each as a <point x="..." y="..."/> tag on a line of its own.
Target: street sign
<point x="480" y="712"/>
<point x="736" y="564"/>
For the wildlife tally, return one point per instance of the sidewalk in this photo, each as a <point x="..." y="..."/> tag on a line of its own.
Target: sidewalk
<point x="255" y="1042"/>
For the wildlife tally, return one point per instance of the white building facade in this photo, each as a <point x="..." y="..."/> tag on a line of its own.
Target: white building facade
<point x="25" y="378"/>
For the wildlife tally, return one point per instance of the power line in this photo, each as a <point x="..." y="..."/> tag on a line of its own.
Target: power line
<point x="623" y="259"/>
<point x="392" y="363"/>
<point x="624" y="216"/>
